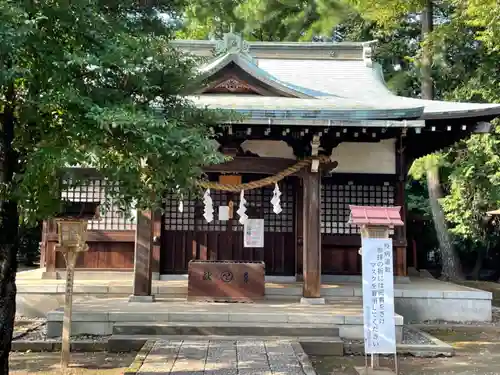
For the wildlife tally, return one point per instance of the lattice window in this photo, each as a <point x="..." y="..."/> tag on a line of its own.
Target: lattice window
<point x="219" y="198"/>
<point x="258" y="206"/>
<point x="95" y="190"/>
<point x="336" y="198"/>
<point x="176" y="220"/>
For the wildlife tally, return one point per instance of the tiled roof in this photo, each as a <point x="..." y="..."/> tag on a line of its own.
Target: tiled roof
<point x="375" y="215"/>
<point x="251" y="68"/>
<point x="340" y="77"/>
<point x="331" y="108"/>
<point x="354" y="79"/>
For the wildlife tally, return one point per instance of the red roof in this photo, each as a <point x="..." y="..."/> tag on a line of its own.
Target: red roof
<point x="374" y="215"/>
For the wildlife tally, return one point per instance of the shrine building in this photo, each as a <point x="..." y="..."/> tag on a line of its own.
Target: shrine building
<point x="322" y="102"/>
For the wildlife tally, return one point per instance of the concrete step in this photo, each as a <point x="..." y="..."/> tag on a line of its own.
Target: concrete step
<point x="225" y="329"/>
<point x="321" y="346"/>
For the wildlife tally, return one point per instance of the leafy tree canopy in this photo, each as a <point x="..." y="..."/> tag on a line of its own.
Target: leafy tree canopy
<point x="96" y="84"/>
<point x="276" y="20"/>
<point x="91" y="84"/>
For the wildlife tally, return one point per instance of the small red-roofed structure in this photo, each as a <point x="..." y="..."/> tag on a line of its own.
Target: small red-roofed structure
<point x="375" y="221"/>
<point x="375" y="216"/>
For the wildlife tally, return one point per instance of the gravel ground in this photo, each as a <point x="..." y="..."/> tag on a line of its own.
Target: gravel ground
<point x="40" y="334"/>
<point x="22" y="318"/>
<point x="410" y="337"/>
<point x="414" y="337"/>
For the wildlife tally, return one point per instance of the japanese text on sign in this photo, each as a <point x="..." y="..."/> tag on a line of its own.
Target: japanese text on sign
<point x="253" y="233"/>
<point x="378" y="296"/>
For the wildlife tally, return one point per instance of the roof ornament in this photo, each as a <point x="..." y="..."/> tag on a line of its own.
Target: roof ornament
<point x="232" y="43"/>
<point x="368" y="52"/>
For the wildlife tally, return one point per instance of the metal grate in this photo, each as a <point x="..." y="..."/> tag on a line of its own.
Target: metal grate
<point x="95" y="190"/>
<point x="336" y="198"/>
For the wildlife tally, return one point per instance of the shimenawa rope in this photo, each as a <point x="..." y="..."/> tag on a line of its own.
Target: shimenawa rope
<point x="267" y="180"/>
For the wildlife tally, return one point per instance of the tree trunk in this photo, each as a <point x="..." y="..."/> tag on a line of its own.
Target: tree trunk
<point x="451" y="269"/>
<point x="9" y="226"/>
<point x="451" y="265"/>
<point x="426" y="63"/>
<point x="481" y="253"/>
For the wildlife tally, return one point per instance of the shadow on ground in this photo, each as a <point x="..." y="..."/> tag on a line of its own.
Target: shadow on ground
<point x="478" y="353"/>
<point x="82" y="363"/>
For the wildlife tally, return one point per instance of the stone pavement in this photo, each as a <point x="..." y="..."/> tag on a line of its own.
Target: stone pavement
<point x="226" y="357"/>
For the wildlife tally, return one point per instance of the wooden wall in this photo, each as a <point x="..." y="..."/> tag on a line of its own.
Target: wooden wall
<point x="339" y="256"/>
<point x="112" y="250"/>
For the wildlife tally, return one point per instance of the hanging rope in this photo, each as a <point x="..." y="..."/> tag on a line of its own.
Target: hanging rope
<point x="265" y="181"/>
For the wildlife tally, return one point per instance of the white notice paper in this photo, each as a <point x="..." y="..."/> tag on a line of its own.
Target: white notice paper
<point x="223" y="213"/>
<point x="378" y="296"/>
<point x="253" y="233"/>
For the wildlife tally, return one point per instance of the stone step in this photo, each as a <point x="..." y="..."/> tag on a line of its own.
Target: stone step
<point x="225" y="329"/>
<point x="321" y="346"/>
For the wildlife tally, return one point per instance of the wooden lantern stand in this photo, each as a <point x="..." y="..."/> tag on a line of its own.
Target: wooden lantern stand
<point x="376" y="223"/>
<point x="72" y="238"/>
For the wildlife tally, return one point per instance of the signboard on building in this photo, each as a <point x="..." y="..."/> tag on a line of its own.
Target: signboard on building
<point x="253" y="235"/>
<point x="378" y="296"/>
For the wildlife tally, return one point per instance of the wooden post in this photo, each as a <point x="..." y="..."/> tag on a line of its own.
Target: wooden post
<point x="43" y="243"/>
<point x="312" y="238"/>
<point x="155" y="257"/>
<point x="50" y="250"/>
<point x="299" y="231"/>
<point x="70" y="256"/>
<point x="143" y="258"/>
<point x="400" y="231"/>
<point x="72" y="237"/>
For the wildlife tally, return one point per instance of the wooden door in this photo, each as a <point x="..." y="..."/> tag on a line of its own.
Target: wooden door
<point x="187" y="235"/>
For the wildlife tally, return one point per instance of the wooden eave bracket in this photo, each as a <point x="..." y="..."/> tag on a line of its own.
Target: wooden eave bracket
<point x="315" y="145"/>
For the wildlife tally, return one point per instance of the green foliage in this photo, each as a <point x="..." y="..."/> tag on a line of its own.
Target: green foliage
<point x="97" y="84"/>
<point x="275" y="20"/>
<point x="417" y="198"/>
<point x="387" y="13"/>
<point x="420" y="166"/>
<point x="474" y="186"/>
<point x="483" y="15"/>
<point x="29" y="244"/>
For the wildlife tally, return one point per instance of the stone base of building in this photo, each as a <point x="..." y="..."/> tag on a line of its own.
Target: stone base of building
<point x="312" y="301"/>
<point x="420" y="300"/>
<point x="141" y="299"/>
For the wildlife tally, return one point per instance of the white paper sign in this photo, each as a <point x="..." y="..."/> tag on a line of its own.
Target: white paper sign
<point x="378" y="296"/>
<point x="253" y="233"/>
<point x="223" y="213"/>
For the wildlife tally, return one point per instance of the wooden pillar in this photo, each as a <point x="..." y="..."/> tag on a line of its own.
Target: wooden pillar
<point x="143" y="258"/>
<point x="299" y="230"/>
<point x="43" y="243"/>
<point x="312" y="237"/>
<point x="400" y="232"/>
<point x="155" y="261"/>
<point x="400" y="261"/>
<point x="49" y="248"/>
